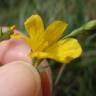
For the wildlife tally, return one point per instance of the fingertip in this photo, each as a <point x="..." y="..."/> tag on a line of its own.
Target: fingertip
<point x="19" y="79"/>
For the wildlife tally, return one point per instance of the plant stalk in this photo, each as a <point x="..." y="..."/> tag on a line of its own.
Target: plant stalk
<point x="59" y="74"/>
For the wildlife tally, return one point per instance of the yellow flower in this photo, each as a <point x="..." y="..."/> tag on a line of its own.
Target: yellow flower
<point x="47" y="43"/>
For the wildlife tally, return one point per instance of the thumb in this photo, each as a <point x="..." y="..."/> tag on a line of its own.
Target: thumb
<point x="19" y="79"/>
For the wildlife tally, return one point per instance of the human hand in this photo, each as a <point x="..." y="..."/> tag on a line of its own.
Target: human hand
<point x="17" y="76"/>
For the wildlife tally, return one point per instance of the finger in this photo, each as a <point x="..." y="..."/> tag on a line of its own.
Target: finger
<point x="19" y="79"/>
<point x="3" y="48"/>
<point x="18" y="50"/>
<point x="46" y="79"/>
<point x="13" y="50"/>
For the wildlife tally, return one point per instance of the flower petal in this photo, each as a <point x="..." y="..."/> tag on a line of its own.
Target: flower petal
<point x="63" y="51"/>
<point x="20" y="36"/>
<point x="34" y="25"/>
<point x="35" y="28"/>
<point x="54" y="31"/>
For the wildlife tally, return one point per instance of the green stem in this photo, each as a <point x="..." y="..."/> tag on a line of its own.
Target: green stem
<point x="37" y="62"/>
<point x="74" y="32"/>
<point x="59" y="74"/>
<point x="85" y="28"/>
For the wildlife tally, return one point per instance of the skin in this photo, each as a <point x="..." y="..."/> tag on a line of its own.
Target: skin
<point x="18" y="77"/>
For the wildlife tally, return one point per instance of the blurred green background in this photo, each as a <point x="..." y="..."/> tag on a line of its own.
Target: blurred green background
<point x="79" y="77"/>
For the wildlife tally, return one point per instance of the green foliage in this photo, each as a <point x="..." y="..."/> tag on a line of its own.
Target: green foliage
<point x="79" y="78"/>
